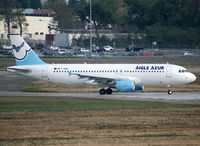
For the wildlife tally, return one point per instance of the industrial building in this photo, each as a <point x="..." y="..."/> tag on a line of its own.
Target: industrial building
<point x="38" y="23"/>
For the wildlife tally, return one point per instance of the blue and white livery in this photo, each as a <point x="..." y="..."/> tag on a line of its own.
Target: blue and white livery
<point x="123" y="77"/>
<point x="23" y="53"/>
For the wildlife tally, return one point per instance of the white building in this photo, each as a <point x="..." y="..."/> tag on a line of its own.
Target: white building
<point x="37" y="25"/>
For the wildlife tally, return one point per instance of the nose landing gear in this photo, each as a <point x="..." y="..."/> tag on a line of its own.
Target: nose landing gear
<point x="107" y="91"/>
<point x="170" y="92"/>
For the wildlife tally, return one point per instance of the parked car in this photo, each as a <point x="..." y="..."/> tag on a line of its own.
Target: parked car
<point x="134" y="48"/>
<point x="158" y="53"/>
<point x="7" y="47"/>
<point x="84" y="50"/>
<point x="53" y="47"/>
<point x="48" y="52"/>
<point x="5" y="52"/>
<point x="107" y="48"/>
<point x="148" y="54"/>
<point x="188" y="54"/>
<point x="62" y="51"/>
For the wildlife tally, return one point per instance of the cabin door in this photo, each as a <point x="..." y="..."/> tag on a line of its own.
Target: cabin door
<point x="44" y="71"/>
<point x="168" y="72"/>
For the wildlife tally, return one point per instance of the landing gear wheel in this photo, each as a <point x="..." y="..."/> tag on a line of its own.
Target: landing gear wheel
<point x="102" y="91"/>
<point x="170" y="92"/>
<point x="109" y="91"/>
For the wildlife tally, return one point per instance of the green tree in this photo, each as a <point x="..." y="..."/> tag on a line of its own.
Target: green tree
<point x="6" y="13"/>
<point x="63" y="14"/>
<point x="19" y="19"/>
<point x="25" y="3"/>
<point x="11" y="12"/>
<point x="105" y="12"/>
<point x="138" y="13"/>
<point x="35" y="4"/>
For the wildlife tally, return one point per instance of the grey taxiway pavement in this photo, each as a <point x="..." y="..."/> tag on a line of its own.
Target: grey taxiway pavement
<point x="190" y="97"/>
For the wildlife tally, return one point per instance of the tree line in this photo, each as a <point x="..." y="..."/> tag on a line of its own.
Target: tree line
<point x="169" y="22"/>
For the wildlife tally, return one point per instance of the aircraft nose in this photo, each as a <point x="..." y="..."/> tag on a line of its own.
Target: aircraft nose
<point x="192" y="77"/>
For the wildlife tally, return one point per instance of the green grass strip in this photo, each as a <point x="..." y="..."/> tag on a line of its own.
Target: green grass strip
<point x="56" y="104"/>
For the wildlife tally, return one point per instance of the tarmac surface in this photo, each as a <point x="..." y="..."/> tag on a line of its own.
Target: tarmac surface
<point x="11" y="82"/>
<point x="11" y="85"/>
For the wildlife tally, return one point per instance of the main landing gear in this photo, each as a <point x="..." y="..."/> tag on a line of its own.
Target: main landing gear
<point x="170" y="92"/>
<point x="105" y="91"/>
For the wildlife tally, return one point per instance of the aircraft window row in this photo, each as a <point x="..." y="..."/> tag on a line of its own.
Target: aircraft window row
<point x="182" y="71"/>
<point x="94" y="71"/>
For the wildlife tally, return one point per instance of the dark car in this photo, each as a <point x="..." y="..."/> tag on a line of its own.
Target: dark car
<point x="5" y="52"/>
<point x="134" y="48"/>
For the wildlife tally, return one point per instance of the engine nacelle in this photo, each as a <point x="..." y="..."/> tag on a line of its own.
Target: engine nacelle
<point x="128" y="86"/>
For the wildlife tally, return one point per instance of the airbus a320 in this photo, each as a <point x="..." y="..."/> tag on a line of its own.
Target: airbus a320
<point x="123" y="77"/>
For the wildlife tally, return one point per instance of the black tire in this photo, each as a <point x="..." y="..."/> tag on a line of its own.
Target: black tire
<point x="102" y="91"/>
<point x="170" y="92"/>
<point x="109" y="91"/>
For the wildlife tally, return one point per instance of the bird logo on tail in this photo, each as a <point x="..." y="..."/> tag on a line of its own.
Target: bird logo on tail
<point x="17" y="49"/>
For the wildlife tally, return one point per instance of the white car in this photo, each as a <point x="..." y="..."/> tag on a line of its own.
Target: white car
<point x="53" y="48"/>
<point x="188" y="54"/>
<point x="108" y="48"/>
<point x="62" y="51"/>
<point x="84" y="50"/>
<point x="7" y="47"/>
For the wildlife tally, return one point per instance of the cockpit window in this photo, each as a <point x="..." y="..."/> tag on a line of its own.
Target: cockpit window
<point x="182" y="71"/>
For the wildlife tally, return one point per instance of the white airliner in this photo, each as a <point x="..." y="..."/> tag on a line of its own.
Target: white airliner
<point x="123" y="77"/>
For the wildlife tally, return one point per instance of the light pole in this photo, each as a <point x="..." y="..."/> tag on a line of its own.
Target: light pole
<point x="90" y="27"/>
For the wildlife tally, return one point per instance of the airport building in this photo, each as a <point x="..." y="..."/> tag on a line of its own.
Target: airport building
<point x="38" y="23"/>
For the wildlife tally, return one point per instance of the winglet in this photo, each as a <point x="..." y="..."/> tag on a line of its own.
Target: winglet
<point x="23" y="53"/>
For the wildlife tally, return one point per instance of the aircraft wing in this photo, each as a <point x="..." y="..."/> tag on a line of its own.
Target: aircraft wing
<point x="107" y="81"/>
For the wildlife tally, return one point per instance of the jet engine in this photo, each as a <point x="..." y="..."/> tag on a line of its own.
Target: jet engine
<point x="128" y="86"/>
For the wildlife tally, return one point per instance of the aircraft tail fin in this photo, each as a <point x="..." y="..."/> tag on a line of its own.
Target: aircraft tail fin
<point x="23" y="53"/>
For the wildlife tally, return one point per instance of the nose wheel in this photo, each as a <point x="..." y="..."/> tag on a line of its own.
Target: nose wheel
<point x="170" y="92"/>
<point x="107" y="91"/>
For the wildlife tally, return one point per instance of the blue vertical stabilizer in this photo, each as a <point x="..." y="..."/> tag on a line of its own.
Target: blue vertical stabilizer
<point x="23" y="53"/>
